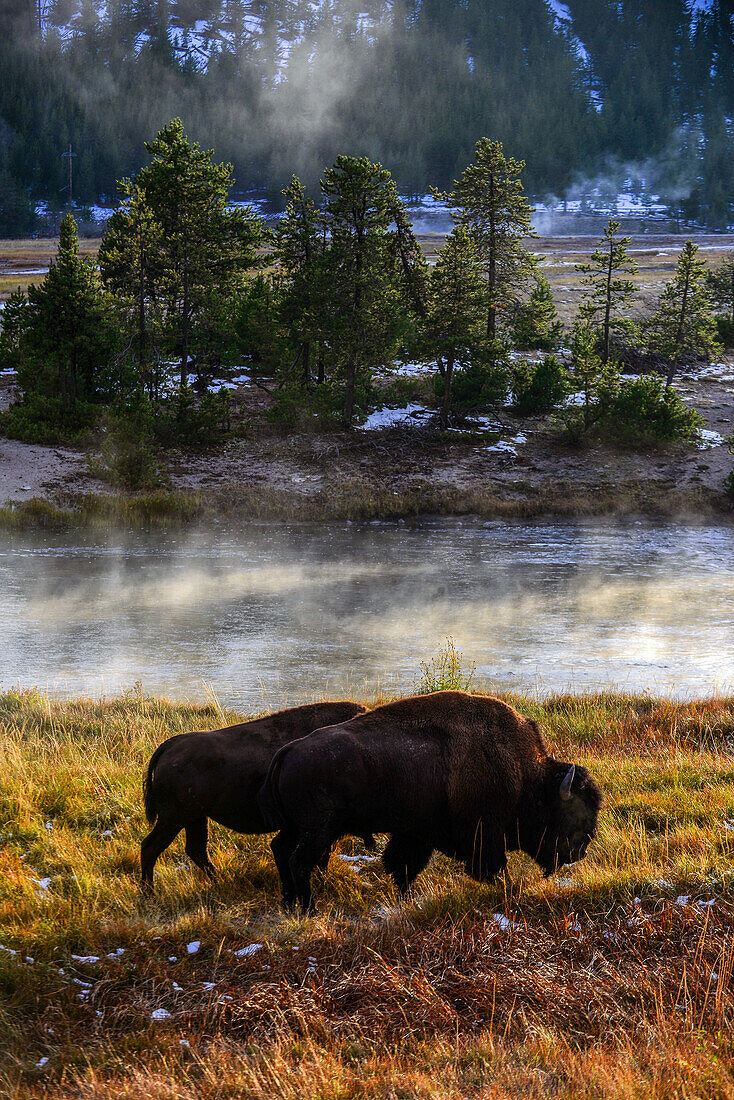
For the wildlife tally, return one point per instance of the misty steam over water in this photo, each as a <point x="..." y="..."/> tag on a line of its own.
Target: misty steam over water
<point x="271" y="613"/>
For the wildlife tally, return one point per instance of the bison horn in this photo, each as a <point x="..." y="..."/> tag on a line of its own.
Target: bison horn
<point x="566" y="783"/>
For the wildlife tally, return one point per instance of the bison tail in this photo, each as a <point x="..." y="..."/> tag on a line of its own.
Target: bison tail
<point x="149" y="801"/>
<point x="271" y="806"/>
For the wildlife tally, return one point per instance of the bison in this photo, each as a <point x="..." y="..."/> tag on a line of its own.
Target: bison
<point x="462" y="774"/>
<point x="217" y="774"/>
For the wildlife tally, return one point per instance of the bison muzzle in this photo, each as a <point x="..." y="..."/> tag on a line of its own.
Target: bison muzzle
<point x="461" y="774"/>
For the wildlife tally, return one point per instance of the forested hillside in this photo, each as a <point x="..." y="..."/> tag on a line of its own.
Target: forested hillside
<point x="593" y="89"/>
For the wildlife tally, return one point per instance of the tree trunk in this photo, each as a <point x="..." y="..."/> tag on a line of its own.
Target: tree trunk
<point x="492" y="273"/>
<point x="446" y="404"/>
<point x="185" y="333"/>
<point x="306" y="349"/>
<point x="608" y="307"/>
<point x="679" y="333"/>
<point x="348" y="410"/>
<point x="141" y="316"/>
<point x="321" y="366"/>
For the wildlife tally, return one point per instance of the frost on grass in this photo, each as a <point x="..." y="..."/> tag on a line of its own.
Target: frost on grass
<point x="160" y="1014"/>
<point x="85" y="958"/>
<point x="251" y="948"/>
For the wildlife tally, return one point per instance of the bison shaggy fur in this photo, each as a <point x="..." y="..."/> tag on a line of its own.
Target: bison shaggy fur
<point x="217" y="774"/>
<point x="461" y="774"/>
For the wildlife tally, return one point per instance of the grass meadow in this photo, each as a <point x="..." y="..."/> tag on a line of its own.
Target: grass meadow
<point x="612" y="979"/>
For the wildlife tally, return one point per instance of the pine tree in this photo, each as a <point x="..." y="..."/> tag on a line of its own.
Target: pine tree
<point x="488" y="200"/>
<point x="202" y="243"/>
<point x="536" y="325"/>
<point x="683" y="322"/>
<point x="299" y="251"/>
<point x="596" y="382"/>
<point x="366" y="304"/>
<point x="720" y="285"/>
<point x="129" y="259"/>
<point x="609" y="293"/>
<point x="455" y="314"/>
<point x="69" y="329"/>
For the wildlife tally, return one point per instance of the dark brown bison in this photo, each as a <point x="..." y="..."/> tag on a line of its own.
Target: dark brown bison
<point x="217" y="774"/>
<point x="462" y="774"/>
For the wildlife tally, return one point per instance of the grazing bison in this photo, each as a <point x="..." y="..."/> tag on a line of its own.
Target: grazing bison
<point x="217" y="774"/>
<point x="462" y="774"/>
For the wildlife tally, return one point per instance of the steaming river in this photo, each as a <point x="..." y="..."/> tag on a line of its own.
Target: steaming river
<point x="274" y="613"/>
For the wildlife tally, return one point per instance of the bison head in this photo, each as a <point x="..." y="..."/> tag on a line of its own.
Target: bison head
<point x="572" y="802"/>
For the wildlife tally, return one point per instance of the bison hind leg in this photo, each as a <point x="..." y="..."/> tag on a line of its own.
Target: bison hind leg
<point x="282" y="846"/>
<point x="303" y="861"/>
<point x="404" y="858"/>
<point x="196" y="842"/>
<point x="163" y="833"/>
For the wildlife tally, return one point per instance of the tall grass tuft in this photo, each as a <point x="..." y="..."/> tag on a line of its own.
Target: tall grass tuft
<point x="445" y="671"/>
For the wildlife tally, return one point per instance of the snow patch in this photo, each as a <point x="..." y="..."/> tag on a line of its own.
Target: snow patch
<point x="708" y="439"/>
<point x="245" y="952"/>
<point x="509" y="446"/>
<point x="389" y="418"/>
<point x="505" y="923"/>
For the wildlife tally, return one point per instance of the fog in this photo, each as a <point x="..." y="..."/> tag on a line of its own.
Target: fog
<point x="278" y="613"/>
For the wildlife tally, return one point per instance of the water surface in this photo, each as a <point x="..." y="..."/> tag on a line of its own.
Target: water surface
<point x="275" y="612"/>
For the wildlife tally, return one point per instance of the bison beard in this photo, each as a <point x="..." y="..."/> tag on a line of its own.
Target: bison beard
<point x="217" y="774"/>
<point x="462" y="774"/>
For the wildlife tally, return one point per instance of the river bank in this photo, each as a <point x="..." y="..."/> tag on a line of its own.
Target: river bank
<point x="517" y="468"/>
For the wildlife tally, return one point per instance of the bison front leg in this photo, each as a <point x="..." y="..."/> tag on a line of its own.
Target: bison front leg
<point x="404" y="858"/>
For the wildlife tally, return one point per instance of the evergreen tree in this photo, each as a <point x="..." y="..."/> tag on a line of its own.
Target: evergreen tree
<point x="596" y="383"/>
<point x="536" y="325"/>
<point x="68" y="333"/>
<point x="488" y="200"/>
<point x="683" y="322"/>
<point x="130" y="264"/>
<point x="366" y="309"/>
<point x="455" y="314"/>
<point x="608" y="292"/>
<point x="299" y="251"/>
<point x="720" y="285"/>
<point x="202" y="244"/>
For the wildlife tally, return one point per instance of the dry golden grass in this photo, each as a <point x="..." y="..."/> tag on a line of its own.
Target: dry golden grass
<point x="605" y="983"/>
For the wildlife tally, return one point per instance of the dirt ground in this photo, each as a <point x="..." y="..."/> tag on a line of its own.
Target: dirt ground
<point x="407" y="460"/>
<point x="412" y="460"/>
